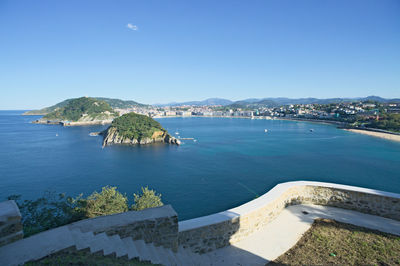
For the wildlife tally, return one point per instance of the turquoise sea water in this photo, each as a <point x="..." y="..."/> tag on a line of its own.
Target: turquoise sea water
<point x="232" y="162"/>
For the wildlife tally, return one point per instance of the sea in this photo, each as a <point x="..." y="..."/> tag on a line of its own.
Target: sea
<point x="230" y="161"/>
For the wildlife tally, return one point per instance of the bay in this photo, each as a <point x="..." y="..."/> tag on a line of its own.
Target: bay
<point x="232" y="161"/>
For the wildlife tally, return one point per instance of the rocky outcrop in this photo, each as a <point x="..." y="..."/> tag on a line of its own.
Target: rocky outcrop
<point x="111" y="136"/>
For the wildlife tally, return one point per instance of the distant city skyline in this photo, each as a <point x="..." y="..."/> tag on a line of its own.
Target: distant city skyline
<point x="176" y="51"/>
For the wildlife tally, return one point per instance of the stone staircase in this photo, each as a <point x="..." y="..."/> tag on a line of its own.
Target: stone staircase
<point x="138" y="249"/>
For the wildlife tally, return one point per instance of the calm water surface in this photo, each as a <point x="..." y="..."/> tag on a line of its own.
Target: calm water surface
<point x="232" y="162"/>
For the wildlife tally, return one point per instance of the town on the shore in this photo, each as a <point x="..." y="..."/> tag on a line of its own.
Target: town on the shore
<point x="381" y="115"/>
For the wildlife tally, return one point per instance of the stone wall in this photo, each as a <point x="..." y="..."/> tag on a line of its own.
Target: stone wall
<point x="160" y="225"/>
<point x="10" y="223"/>
<point x="218" y="230"/>
<point x="156" y="225"/>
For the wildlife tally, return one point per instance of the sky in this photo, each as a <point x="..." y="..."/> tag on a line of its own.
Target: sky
<point x="159" y="51"/>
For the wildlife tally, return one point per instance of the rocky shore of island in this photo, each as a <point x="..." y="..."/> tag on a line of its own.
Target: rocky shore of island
<point x="73" y="123"/>
<point x="111" y="136"/>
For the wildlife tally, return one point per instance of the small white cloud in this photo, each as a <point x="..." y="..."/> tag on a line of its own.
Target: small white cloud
<point x="132" y="27"/>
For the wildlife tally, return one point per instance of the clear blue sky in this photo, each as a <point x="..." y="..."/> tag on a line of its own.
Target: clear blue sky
<point x="192" y="50"/>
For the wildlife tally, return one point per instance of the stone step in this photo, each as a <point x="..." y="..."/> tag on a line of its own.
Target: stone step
<point x="175" y="259"/>
<point x="204" y="259"/>
<point x="81" y="239"/>
<point x="154" y="256"/>
<point x="98" y="242"/>
<point x="165" y="256"/>
<point x="137" y="249"/>
<point x="142" y="250"/>
<point x="185" y="256"/>
<point x="118" y="246"/>
<point x="131" y="248"/>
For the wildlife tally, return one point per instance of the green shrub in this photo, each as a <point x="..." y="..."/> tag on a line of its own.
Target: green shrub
<point x="48" y="212"/>
<point x="148" y="199"/>
<point x="54" y="210"/>
<point x="108" y="201"/>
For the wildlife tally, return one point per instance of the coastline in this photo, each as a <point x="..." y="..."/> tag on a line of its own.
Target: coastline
<point x="382" y="135"/>
<point x="371" y="132"/>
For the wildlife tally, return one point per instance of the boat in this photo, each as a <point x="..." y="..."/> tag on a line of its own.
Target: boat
<point x="311" y="130"/>
<point x="177" y="133"/>
<point x="265" y="130"/>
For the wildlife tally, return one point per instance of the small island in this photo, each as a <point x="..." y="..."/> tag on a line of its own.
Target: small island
<point x="79" y="112"/>
<point x="134" y="129"/>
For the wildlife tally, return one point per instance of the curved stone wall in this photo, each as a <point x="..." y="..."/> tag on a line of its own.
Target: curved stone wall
<point x="207" y="233"/>
<point x="160" y="225"/>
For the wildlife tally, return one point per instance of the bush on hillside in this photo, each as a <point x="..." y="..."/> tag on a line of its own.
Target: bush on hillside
<point x="148" y="199"/>
<point x="54" y="210"/>
<point x="108" y="201"/>
<point x="50" y="211"/>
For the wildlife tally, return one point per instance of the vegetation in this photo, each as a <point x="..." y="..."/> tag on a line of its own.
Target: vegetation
<point x="148" y="199"/>
<point x="108" y="201"/>
<point x="389" y="122"/>
<point x="72" y="257"/>
<point x="117" y="103"/>
<point x="50" y="109"/>
<point x="80" y="107"/>
<point x="54" y="210"/>
<point x="329" y="242"/>
<point x="50" y="211"/>
<point x="136" y="126"/>
<point x="114" y="103"/>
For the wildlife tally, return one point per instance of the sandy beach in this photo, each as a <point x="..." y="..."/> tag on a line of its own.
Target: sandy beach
<point x="376" y="134"/>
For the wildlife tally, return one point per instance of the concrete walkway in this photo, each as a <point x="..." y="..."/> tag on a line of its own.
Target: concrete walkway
<point x="283" y="233"/>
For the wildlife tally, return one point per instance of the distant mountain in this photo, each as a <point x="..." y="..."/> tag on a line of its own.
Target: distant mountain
<point x="207" y="102"/>
<point x="273" y="102"/>
<point x="114" y="103"/>
<point x="253" y="103"/>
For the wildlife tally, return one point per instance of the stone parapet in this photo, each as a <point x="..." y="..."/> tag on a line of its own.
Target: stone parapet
<point x="160" y="225"/>
<point x="10" y="223"/>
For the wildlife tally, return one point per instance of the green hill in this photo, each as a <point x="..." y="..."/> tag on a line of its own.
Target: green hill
<point x="47" y="110"/>
<point x="114" y="103"/>
<point x="82" y="109"/>
<point x="136" y="126"/>
<point x="122" y="104"/>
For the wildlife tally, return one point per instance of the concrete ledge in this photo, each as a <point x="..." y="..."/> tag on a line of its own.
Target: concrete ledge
<point x="9" y="211"/>
<point x="10" y="223"/>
